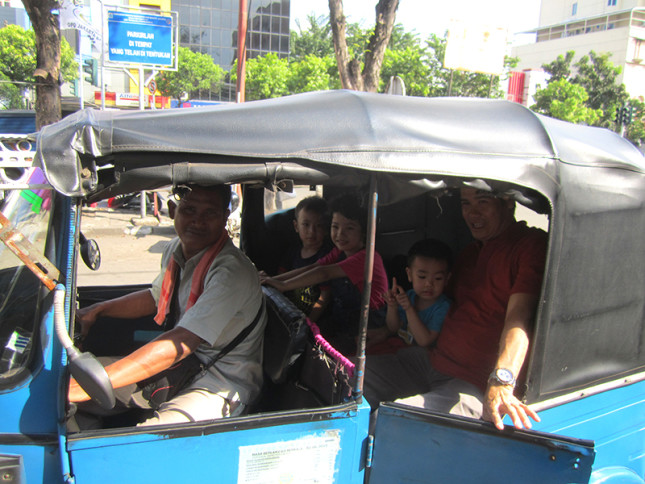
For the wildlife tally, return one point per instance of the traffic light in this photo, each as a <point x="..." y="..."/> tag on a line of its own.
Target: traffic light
<point x="619" y="116"/>
<point x="625" y="115"/>
<point x="90" y="66"/>
<point x="73" y="88"/>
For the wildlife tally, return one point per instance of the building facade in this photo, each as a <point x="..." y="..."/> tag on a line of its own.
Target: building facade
<point x="613" y="26"/>
<point x="13" y="13"/>
<point x="211" y="27"/>
<point x="205" y="26"/>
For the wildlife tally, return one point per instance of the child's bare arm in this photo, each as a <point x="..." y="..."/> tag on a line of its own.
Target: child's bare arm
<point x="320" y="305"/>
<point x="392" y="297"/>
<point x="315" y="274"/>
<point x="422" y="335"/>
<point x="288" y="275"/>
<point x="392" y="318"/>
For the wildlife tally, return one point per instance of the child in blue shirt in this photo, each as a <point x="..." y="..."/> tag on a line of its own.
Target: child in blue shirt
<point x="416" y="316"/>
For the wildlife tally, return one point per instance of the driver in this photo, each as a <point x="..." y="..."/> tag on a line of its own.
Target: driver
<point x="217" y="294"/>
<point x="475" y="365"/>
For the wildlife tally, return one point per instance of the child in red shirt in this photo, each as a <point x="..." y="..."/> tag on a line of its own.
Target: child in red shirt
<point x="343" y="270"/>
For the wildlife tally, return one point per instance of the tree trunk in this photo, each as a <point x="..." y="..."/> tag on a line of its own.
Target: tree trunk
<point x="47" y="73"/>
<point x="348" y="69"/>
<point x="351" y="76"/>
<point x="385" y="16"/>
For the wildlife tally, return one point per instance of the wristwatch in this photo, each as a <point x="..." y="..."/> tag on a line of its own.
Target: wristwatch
<point x="502" y="376"/>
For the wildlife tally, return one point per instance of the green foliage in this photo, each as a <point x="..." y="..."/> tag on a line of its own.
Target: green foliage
<point x="313" y="74"/>
<point x="68" y="66"/>
<point x="312" y="65"/>
<point x="401" y="39"/>
<point x="596" y="75"/>
<point x="18" y="63"/>
<point x="599" y="77"/>
<point x="565" y="100"/>
<point x="195" y="72"/>
<point x="409" y="64"/>
<point x="266" y="77"/>
<point x="11" y="96"/>
<point x="636" y="131"/>
<point x="561" y="67"/>
<point x="269" y="76"/>
<point x="316" y="40"/>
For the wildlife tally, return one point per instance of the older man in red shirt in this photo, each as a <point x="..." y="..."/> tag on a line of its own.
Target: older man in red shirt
<point x="482" y="346"/>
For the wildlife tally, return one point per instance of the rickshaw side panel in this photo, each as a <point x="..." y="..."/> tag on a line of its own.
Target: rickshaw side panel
<point x="38" y="461"/>
<point x="614" y="419"/>
<point x="413" y="445"/>
<point x="257" y="448"/>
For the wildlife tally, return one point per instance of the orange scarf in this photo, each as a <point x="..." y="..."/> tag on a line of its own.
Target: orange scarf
<point x="197" y="286"/>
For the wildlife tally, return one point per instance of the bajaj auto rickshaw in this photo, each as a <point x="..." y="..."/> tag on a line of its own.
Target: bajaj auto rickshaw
<point x="586" y="365"/>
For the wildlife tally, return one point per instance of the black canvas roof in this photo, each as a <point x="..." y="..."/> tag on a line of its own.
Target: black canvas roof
<point x="325" y="132"/>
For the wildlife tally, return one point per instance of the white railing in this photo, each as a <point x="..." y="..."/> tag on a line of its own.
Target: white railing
<point x="16" y="161"/>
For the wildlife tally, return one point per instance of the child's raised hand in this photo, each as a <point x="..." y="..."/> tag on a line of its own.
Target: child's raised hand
<point x="400" y="295"/>
<point x="390" y="294"/>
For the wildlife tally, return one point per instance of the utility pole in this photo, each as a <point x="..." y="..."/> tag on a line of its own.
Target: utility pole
<point x="241" y="50"/>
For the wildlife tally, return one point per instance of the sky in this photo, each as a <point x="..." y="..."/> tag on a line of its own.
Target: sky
<point x="433" y="16"/>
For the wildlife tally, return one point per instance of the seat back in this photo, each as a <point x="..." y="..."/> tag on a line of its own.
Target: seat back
<point x="285" y="336"/>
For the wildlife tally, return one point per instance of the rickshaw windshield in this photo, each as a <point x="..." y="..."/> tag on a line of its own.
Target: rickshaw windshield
<point x="29" y="212"/>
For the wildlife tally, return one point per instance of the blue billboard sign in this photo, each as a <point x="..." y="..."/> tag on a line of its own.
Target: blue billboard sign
<point x="136" y="38"/>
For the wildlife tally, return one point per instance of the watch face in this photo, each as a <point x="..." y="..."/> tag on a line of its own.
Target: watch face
<point x="504" y="375"/>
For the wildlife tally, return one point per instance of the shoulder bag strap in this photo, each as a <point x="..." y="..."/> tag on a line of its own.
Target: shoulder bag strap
<point x="238" y="339"/>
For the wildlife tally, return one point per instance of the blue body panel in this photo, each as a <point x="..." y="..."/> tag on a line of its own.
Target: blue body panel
<point x="614" y="420"/>
<point x="294" y="444"/>
<point x="30" y="407"/>
<point x="29" y="423"/>
<point x="413" y="445"/>
<point x="31" y="410"/>
<point x="40" y="460"/>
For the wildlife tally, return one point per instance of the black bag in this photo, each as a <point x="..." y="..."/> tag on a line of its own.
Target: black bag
<point x="164" y="385"/>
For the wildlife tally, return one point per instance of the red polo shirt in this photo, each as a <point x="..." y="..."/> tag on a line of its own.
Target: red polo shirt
<point x="486" y="275"/>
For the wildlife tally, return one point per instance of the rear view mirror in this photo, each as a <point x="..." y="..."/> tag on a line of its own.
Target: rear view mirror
<point x="90" y="252"/>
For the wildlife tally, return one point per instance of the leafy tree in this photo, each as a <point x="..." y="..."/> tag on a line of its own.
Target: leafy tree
<point x="411" y="65"/>
<point x="561" y="67"/>
<point x="599" y="76"/>
<point x="312" y="74"/>
<point x="195" y="72"/>
<point x="419" y="64"/>
<point x="352" y="76"/>
<point x="18" y="63"/>
<point x="565" y="100"/>
<point x="401" y="39"/>
<point x="266" y="77"/>
<point x="316" y="40"/>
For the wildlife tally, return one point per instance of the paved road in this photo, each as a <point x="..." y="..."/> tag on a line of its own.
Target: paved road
<point x="130" y="254"/>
